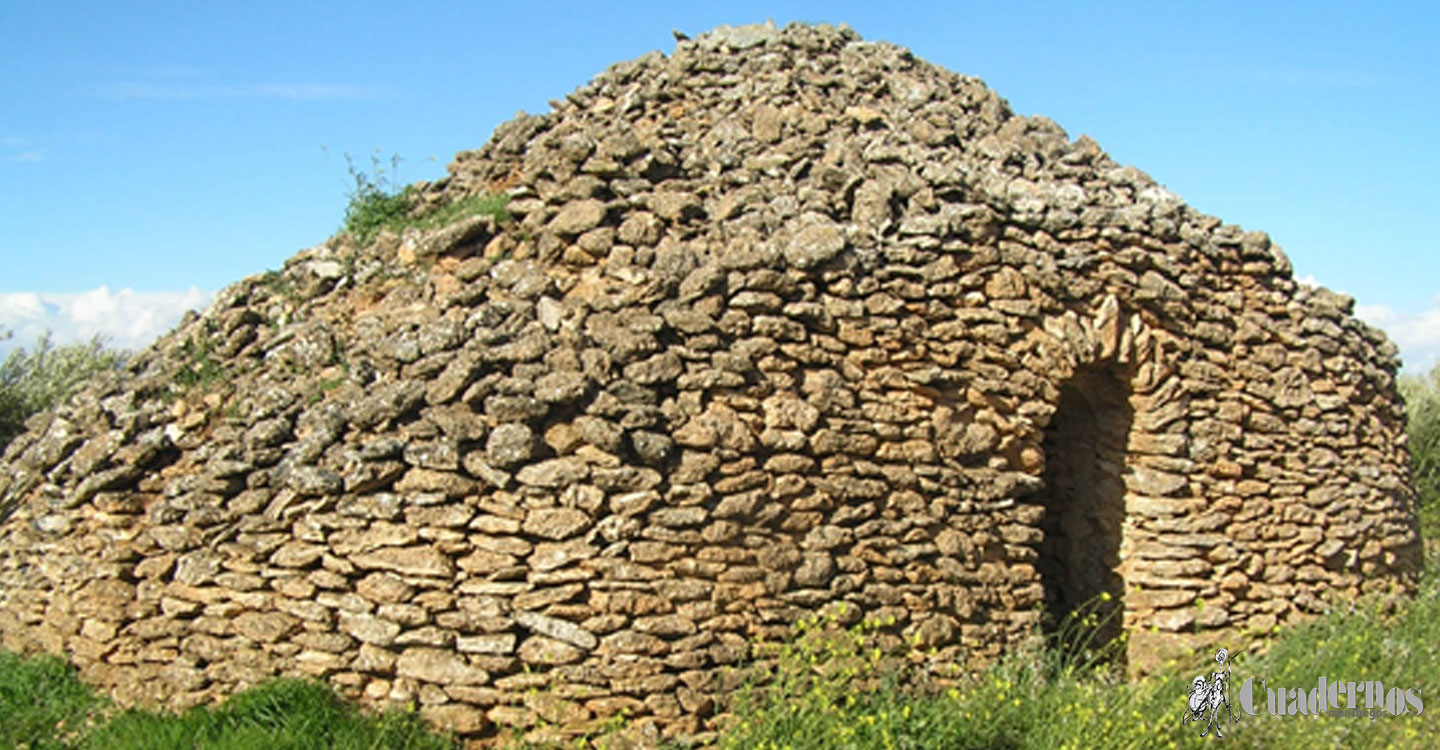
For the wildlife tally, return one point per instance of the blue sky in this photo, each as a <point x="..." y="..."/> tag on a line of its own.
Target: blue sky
<point x="152" y="152"/>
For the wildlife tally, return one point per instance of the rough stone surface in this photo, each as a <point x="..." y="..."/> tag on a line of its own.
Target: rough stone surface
<point x="780" y="321"/>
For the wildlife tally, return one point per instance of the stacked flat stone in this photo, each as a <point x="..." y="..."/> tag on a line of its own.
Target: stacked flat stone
<point x="780" y="327"/>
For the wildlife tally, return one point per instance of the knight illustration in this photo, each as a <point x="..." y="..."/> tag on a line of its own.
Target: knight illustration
<point x="1207" y="697"/>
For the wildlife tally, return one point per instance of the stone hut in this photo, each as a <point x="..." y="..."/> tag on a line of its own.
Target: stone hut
<point x="783" y="321"/>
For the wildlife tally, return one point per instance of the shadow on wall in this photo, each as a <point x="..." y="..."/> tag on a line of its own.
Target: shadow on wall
<point x="1084" y="501"/>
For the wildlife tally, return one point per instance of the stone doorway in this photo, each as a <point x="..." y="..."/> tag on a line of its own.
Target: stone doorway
<point x="1084" y="502"/>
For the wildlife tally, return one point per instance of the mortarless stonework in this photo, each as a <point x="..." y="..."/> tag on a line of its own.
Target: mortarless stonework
<point x="786" y="320"/>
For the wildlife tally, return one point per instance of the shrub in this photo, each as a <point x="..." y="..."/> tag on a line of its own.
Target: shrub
<point x="39" y="379"/>
<point x="378" y="201"/>
<point x="1422" y="408"/>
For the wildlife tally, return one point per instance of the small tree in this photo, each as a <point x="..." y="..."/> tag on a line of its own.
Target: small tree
<point x="36" y="380"/>
<point x="1422" y="408"/>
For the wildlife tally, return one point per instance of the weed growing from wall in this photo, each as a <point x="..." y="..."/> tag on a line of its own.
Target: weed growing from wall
<point x="378" y="201"/>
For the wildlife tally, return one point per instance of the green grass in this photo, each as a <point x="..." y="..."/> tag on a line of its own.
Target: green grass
<point x="41" y="701"/>
<point x="278" y="284"/>
<point x="200" y="366"/>
<point x="44" y="706"/>
<point x="378" y="201"/>
<point x="475" y="205"/>
<point x="282" y="714"/>
<point x="1026" y="702"/>
<point x="829" y="688"/>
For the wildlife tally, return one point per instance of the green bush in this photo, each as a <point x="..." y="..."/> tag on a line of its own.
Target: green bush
<point x="378" y="201"/>
<point x="1422" y="407"/>
<point x="36" y="380"/>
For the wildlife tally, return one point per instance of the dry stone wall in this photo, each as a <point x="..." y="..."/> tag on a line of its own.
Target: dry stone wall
<point x="786" y="322"/>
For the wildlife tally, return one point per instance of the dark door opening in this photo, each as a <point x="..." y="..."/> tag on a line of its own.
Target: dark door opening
<point x="1084" y="501"/>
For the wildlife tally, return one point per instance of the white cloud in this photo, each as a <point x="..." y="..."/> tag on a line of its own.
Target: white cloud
<point x="1417" y="333"/>
<point x="13" y="148"/>
<point x="291" y="91"/>
<point x="311" y="91"/>
<point x="126" y="319"/>
<point x="1319" y="77"/>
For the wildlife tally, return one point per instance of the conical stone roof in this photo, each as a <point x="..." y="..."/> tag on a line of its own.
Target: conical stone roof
<point x="783" y="323"/>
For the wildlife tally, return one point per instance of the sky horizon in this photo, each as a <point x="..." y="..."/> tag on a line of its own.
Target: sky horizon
<point x="155" y="152"/>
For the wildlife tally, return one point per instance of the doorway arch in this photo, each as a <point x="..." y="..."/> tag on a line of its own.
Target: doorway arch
<point x="1083" y="498"/>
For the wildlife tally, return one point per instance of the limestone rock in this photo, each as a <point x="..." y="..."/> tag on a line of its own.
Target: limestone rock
<point x="558" y="629"/>
<point x="369" y="629"/>
<point x="438" y="666"/>
<point x="578" y="217"/>
<point x="413" y="561"/>
<point x="814" y="245"/>
<point x="510" y="444"/>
